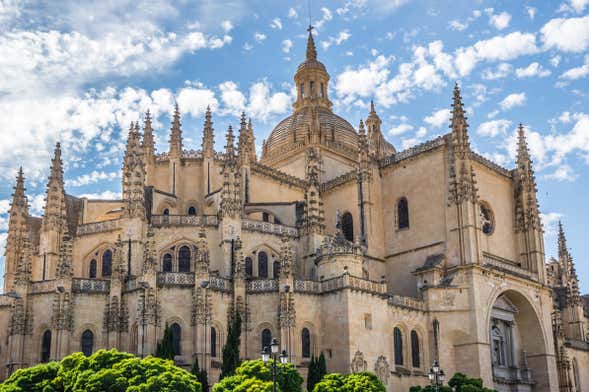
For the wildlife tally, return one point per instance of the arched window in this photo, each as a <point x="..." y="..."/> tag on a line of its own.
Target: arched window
<point x="184" y="259"/>
<point x="46" y="346"/>
<point x="403" y="213"/>
<point x="398" y="341"/>
<point x="107" y="263"/>
<point x="262" y="265"/>
<point x="266" y="338"/>
<point x="191" y="211"/>
<point x="498" y="346"/>
<point x="213" y="342"/>
<point x="249" y="267"/>
<point x="276" y="268"/>
<point x="87" y="342"/>
<point x="166" y="212"/>
<point x="92" y="269"/>
<point x="348" y="226"/>
<point x="167" y="263"/>
<point x="415" y="350"/>
<point x="176" y="338"/>
<point x="305" y="343"/>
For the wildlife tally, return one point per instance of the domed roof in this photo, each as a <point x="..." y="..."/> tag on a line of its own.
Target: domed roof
<point x="294" y="130"/>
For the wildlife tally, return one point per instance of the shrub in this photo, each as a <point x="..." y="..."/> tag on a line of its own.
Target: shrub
<point x="335" y="382"/>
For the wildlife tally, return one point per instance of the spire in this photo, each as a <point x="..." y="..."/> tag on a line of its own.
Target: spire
<point x="176" y="133"/>
<point x="524" y="162"/>
<point x="311" y="50"/>
<point x="243" y="145"/>
<point x="19" y="204"/>
<point x="571" y="280"/>
<point x="208" y="135"/>
<point x="229" y="147"/>
<point x="527" y="209"/>
<point x="54" y="217"/>
<point x="231" y="191"/>
<point x="458" y="124"/>
<point x="251" y="140"/>
<point x="562" y="242"/>
<point x="134" y="174"/>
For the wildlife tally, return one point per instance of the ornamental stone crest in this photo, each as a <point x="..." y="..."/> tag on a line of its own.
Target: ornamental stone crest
<point x="358" y="363"/>
<point x="382" y="369"/>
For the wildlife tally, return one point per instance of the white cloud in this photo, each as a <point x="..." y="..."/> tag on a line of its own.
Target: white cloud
<point x="259" y="37"/>
<point x="531" y="12"/>
<point x="105" y="195"/>
<point x="227" y="26"/>
<point x="195" y="100"/>
<point x="513" y="100"/>
<point x="577" y="72"/>
<point x="292" y="13"/>
<point x="438" y="118"/>
<point x="364" y="80"/>
<point x="562" y="173"/>
<point x="567" y="35"/>
<point x="500" y="21"/>
<point x="341" y="37"/>
<point x="262" y="103"/>
<point x="579" y="5"/>
<point x="555" y="60"/>
<point x="233" y="100"/>
<point x="458" y="26"/>
<point x="286" y="46"/>
<point x="36" y="204"/>
<point x="534" y="69"/>
<point x="501" y="71"/>
<point x="276" y="24"/>
<point x="550" y="222"/>
<point x="247" y="46"/>
<point x="400" y="129"/>
<point x="91" y="178"/>
<point x="4" y="206"/>
<point x="493" y="128"/>
<point x="326" y="16"/>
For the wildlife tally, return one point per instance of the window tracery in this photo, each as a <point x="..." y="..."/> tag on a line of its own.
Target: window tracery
<point x="487" y="218"/>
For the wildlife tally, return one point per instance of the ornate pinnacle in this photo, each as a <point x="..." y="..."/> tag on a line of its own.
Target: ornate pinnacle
<point x="458" y="123"/>
<point x="176" y="132"/>
<point x="19" y="199"/>
<point x="229" y="147"/>
<point x="147" y="124"/>
<point x="372" y="111"/>
<point x="311" y="50"/>
<point x="361" y="129"/>
<point x="562" y="242"/>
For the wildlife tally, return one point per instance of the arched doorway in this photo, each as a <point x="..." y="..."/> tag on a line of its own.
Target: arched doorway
<point x="518" y="350"/>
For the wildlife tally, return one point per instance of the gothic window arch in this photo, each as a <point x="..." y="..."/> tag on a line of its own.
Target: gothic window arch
<point x="262" y="264"/>
<point x="92" y="269"/>
<point x="191" y="211"/>
<point x="276" y="269"/>
<point x="46" y="346"/>
<point x="403" y="213"/>
<point x="213" y="342"/>
<point x="487" y="218"/>
<point x="167" y="265"/>
<point x="498" y="346"/>
<point x="348" y="226"/>
<point x="87" y="343"/>
<point x="107" y="263"/>
<point x="184" y="259"/>
<point x="266" y="338"/>
<point x="305" y="343"/>
<point x="249" y="267"/>
<point x="398" y="346"/>
<point x="176" y="338"/>
<point x="415" y="359"/>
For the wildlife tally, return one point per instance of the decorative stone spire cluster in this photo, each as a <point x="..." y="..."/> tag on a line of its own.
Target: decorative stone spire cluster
<point x="569" y="276"/>
<point x="202" y="255"/>
<point x="64" y="268"/>
<point x="245" y="147"/>
<point x="176" y="134"/>
<point x="314" y="215"/>
<point x="134" y="174"/>
<point x="286" y="258"/>
<point x="208" y="140"/>
<point x="527" y="209"/>
<point x="148" y="140"/>
<point x="231" y="192"/>
<point x="363" y="149"/>
<point x="55" y="216"/>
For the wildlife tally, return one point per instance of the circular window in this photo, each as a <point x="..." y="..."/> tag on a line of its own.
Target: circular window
<point x="487" y="219"/>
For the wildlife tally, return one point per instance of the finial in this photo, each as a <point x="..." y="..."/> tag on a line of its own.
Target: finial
<point x="137" y="126"/>
<point x="243" y="122"/>
<point x="372" y="107"/>
<point x="311" y="50"/>
<point x="361" y="127"/>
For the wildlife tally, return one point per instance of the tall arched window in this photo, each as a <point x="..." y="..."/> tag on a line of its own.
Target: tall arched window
<point x="263" y="265"/>
<point x="46" y="346"/>
<point x="92" y="269"/>
<point x="266" y="338"/>
<point x="184" y="259"/>
<point x="276" y="269"/>
<point x="348" y="226"/>
<point x="87" y="342"/>
<point x="191" y="211"/>
<point x="415" y="361"/>
<point x="398" y="341"/>
<point x="176" y="338"/>
<point x="403" y="213"/>
<point x="305" y="343"/>
<point x="213" y="342"/>
<point x="107" y="263"/>
<point x="249" y="267"/>
<point x="167" y="263"/>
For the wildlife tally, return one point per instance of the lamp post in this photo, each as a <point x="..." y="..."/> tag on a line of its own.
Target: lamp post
<point x="272" y="351"/>
<point x="436" y="375"/>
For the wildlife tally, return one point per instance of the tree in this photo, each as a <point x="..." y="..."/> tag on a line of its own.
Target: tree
<point x="231" y="348"/>
<point x="365" y="382"/>
<point x="317" y="370"/>
<point x="321" y="366"/>
<point x="259" y="374"/>
<point x="458" y="383"/>
<point x="104" y="370"/>
<point x="165" y="347"/>
<point x="201" y="375"/>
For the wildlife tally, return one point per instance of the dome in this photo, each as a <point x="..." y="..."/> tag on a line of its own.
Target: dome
<point x="294" y="130"/>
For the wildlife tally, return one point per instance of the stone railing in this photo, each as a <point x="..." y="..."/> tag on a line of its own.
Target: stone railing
<point x="43" y="286"/>
<point x="183" y="220"/>
<point x="219" y="284"/>
<point x="175" y="278"/>
<point x="278" y="175"/>
<point x="406" y="302"/>
<point x="307" y="286"/>
<point x="98" y="227"/>
<point x="413" y="151"/>
<point x="262" y="285"/>
<point x="507" y="266"/>
<point x="339" y="180"/>
<point x="267" y="227"/>
<point x="81" y="285"/>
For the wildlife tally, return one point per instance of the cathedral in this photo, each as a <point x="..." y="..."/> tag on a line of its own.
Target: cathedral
<point x="330" y="241"/>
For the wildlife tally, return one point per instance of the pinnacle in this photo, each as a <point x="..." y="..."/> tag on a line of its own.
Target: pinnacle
<point x="361" y="127"/>
<point x="372" y="107"/>
<point x="311" y="50"/>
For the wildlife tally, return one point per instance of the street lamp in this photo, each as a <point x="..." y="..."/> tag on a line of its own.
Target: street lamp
<point x="272" y="351"/>
<point x="436" y="375"/>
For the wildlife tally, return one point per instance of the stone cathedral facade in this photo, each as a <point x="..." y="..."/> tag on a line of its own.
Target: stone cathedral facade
<point x="331" y="241"/>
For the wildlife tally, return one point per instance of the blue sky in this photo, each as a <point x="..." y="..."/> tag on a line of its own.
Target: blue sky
<point x="78" y="73"/>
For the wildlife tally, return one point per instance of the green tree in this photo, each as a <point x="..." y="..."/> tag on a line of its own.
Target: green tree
<point x="165" y="347"/>
<point x="460" y="382"/>
<point x="201" y="375"/>
<point x="259" y="374"/>
<point x="317" y="370"/>
<point x="231" y="348"/>
<point x="104" y="370"/>
<point x="335" y="382"/>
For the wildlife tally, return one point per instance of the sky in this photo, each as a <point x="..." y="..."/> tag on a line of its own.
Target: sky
<point x="80" y="72"/>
